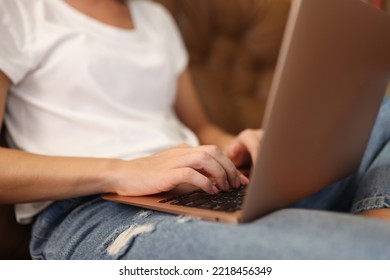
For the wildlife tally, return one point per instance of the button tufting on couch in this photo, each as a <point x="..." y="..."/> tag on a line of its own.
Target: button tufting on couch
<point x="233" y="47"/>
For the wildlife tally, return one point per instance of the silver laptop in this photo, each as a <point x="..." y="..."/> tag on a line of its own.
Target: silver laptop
<point x="331" y="76"/>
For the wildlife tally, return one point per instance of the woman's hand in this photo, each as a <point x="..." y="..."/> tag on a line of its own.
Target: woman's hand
<point x="205" y="167"/>
<point x="243" y="149"/>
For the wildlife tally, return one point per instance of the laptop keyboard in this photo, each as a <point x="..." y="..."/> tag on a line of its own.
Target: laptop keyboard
<point x="229" y="201"/>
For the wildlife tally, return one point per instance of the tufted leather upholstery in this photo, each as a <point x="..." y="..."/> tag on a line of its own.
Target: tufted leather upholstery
<point x="233" y="47"/>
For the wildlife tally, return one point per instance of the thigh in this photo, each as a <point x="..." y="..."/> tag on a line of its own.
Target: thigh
<point x="373" y="178"/>
<point x="374" y="186"/>
<point x="105" y="230"/>
<point x="380" y="135"/>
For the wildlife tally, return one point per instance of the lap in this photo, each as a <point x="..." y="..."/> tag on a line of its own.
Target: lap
<point x="91" y="228"/>
<point x="99" y="229"/>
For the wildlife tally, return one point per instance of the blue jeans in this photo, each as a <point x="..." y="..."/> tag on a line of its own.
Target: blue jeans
<point x="321" y="226"/>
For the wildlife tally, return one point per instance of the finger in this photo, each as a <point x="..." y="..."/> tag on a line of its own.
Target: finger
<point x="209" y="160"/>
<point x="203" y="162"/>
<point x="238" y="154"/>
<point x="202" y="159"/>
<point x="251" y="140"/>
<point x="229" y="167"/>
<point x="244" y="179"/>
<point x="187" y="175"/>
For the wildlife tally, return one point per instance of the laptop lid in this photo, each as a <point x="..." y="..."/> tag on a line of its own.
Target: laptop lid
<point x="330" y="78"/>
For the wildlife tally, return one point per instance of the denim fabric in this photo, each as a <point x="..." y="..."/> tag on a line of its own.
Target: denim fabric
<point x="91" y="228"/>
<point x="374" y="188"/>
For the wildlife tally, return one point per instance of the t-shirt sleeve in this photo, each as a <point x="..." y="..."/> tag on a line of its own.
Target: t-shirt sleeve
<point x="15" y="33"/>
<point x="174" y="41"/>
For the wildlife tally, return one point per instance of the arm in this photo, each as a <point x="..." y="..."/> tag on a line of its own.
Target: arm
<point x="26" y="177"/>
<point x="241" y="149"/>
<point x="191" y="113"/>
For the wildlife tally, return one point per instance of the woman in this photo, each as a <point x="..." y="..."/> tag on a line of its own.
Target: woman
<point x="100" y="101"/>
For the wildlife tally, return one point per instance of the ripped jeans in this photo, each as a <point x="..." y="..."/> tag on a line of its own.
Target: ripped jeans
<point x="321" y="226"/>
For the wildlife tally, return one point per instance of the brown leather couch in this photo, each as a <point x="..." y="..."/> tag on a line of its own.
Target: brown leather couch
<point x="233" y="47"/>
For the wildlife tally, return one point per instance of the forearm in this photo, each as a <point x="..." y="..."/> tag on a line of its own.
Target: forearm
<point x="27" y="177"/>
<point x="192" y="114"/>
<point x="210" y="134"/>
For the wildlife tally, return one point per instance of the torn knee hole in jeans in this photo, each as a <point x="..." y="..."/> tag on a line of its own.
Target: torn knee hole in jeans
<point x="127" y="237"/>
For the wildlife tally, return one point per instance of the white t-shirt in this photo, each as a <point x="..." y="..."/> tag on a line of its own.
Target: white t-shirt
<point x="84" y="88"/>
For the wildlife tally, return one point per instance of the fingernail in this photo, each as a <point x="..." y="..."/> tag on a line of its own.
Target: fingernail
<point x="215" y="190"/>
<point x="244" y="180"/>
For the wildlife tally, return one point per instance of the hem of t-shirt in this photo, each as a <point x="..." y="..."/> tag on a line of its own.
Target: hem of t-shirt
<point x="182" y="64"/>
<point x="23" y="217"/>
<point x="11" y="72"/>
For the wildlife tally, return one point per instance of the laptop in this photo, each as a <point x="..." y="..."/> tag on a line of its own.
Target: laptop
<point x="330" y="78"/>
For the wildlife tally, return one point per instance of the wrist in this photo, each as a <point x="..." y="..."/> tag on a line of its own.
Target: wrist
<point x="108" y="175"/>
<point x="213" y="135"/>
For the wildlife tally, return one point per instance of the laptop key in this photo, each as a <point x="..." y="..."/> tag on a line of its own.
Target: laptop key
<point x="228" y="201"/>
